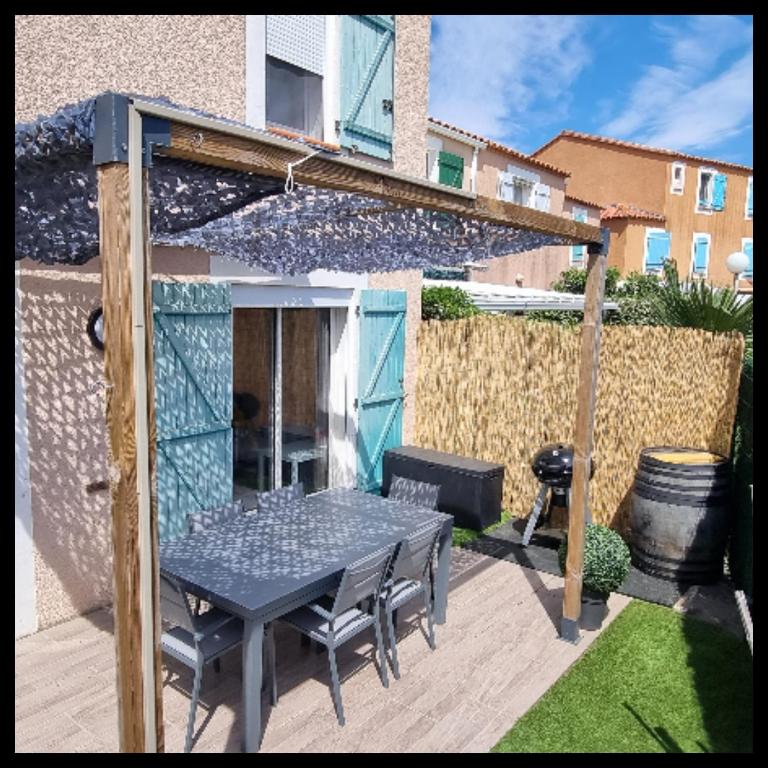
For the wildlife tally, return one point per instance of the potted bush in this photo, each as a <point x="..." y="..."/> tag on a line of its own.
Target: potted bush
<point x="606" y="565"/>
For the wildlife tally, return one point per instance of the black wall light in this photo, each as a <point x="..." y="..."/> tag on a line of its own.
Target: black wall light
<point x="95" y="328"/>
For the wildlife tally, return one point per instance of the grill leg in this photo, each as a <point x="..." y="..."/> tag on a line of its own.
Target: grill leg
<point x="538" y="505"/>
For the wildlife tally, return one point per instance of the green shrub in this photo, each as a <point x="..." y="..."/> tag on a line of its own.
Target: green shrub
<point x="606" y="559"/>
<point x="445" y="303"/>
<point x="574" y="280"/>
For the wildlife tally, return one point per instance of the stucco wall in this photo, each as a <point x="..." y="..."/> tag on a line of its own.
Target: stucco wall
<point x="198" y="61"/>
<point x="607" y="174"/>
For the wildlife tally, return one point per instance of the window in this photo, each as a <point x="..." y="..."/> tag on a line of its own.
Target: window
<point x="294" y="98"/>
<point x="517" y="185"/>
<point x="748" y="206"/>
<point x="677" y="185"/>
<point x="434" y="147"/>
<point x="710" y="195"/>
<point x="451" y="169"/>
<point x="657" y="243"/>
<point x="746" y="247"/>
<point x="700" y="254"/>
<point x="578" y="252"/>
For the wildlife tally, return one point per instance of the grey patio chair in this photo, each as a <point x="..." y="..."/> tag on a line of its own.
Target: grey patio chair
<point x="333" y="621"/>
<point x="409" y="578"/>
<point x="197" y="639"/>
<point x="200" y="521"/>
<point x="277" y="499"/>
<point x="413" y="492"/>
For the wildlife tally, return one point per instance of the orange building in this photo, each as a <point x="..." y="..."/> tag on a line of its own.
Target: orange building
<point x="660" y="204"/>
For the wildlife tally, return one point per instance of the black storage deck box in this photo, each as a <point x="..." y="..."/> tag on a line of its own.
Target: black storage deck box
<point x="470" y="489"/>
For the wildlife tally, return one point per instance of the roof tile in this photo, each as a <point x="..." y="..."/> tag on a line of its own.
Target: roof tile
<point x="629" y="211"/>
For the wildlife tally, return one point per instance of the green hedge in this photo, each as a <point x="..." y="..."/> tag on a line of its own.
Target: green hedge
<point x="740" y="549"/>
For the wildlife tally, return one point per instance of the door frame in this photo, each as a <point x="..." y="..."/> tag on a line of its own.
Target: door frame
<point x="257" y="293"/>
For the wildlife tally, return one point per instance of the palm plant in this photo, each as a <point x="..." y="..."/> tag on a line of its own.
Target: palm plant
<point x="701" y="305"/>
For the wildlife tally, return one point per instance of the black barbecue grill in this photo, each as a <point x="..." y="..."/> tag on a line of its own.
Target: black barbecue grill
<point x="553" y="466"/>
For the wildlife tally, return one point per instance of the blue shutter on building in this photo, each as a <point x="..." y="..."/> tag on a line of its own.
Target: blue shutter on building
<point x="380" y="389"/>
<point x="657" y="251"/>
<point x="701" y="255"/>
<point x="749" y="199"/>
<point x="193" y="399"/>
<point x="718" y="192"/>
<point x="367" y="84"/>
<point x="578" y="252"/>
<point x="748" y="250"/>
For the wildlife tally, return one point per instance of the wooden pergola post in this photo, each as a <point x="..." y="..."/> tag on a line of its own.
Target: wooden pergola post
<point x="127" y="308"/>
<point x="579" y="513"/>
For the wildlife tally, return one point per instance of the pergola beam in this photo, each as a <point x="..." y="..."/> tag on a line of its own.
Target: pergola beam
<point x="217" y="143"/>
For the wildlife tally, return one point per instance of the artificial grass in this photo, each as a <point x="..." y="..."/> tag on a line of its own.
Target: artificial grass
<point x="463" y="536"/>
<point x="654" y="681"/>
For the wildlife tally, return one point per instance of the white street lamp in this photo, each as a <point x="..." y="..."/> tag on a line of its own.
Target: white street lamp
<point x="737" y="263"/>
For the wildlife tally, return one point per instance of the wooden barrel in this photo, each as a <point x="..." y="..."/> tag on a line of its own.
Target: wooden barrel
<point x="679" y="518"/>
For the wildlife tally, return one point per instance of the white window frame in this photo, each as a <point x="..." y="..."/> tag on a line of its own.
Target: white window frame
<point x="672" y="189"/>
<point x="649" y="231"/>
<point x="692" y="271"/>
<point x="434" y="148"/>
<point x="746" y="200"/>
<point x="744" y="241"/>
<point x="571" y="263"/>
<point x="711" y="189"/>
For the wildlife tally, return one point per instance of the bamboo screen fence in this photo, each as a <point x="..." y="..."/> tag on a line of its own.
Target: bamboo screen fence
<point x="498" y="388"/>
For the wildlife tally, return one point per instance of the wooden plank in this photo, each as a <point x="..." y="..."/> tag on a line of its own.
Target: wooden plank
<point x="117" y="277"/>
<point x="236" y="152"/>
<point x="583" y="441"/>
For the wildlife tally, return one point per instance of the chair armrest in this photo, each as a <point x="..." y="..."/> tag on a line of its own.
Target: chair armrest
<point x="320" y="611"/>
<point x="213" y="627"/>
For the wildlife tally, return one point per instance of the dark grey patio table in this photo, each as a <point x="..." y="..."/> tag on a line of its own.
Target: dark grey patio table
<point x="265" y="564"/>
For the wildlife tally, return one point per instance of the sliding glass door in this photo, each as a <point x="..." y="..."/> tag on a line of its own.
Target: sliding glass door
<point x="281" y="377"/>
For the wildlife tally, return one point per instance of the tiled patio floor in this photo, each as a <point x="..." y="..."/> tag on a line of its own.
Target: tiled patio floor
<point x="496" y="655"/>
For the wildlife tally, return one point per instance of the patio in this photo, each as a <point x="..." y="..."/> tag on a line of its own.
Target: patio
<point x="497" y="654"/>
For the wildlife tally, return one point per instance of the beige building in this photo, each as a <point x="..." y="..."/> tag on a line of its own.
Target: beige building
<point x="662" y="204"/>
<point x="288" y="74"/>
<point x="463" y="159"/>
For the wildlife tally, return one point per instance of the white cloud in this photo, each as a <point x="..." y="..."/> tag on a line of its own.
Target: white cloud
<point x="494" y="74"/>
<point x="692" y="105"/>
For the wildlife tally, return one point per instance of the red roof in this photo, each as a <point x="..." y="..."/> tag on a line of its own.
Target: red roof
<point x="502" y="148"/>
<point x="633" y="145"/>
<point x="582" y="201"/>
<point x="629" y="211"/>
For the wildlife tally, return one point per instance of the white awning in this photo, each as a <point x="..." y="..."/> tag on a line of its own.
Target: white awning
<point x="491" y="297"/>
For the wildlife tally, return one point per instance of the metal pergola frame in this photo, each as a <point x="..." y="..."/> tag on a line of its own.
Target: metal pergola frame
<point x="126" y="292"/>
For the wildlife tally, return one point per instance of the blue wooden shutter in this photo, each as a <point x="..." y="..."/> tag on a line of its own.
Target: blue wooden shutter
<point x="578" y="251"/>
<point x="367" y="84"/>
<point x="749" y="199"/>
<point x="718" y="192"/>
<point x="380" y="388"/>
<point x="657" y="251"/>
<point x="701" y="255"/>
<point x="748" y="251"/>
<point x="193" y="399"/>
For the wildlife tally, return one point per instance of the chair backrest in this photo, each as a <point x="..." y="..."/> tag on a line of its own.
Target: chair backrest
<point x="415" y="553"/>
<point x="199" y="521"/>
<point x="271" y="501"/>
<point x="362" y="579"/>
<point x="174" y="604"/>
<point x="413" y="492"/>
<point x="249" y="501"/>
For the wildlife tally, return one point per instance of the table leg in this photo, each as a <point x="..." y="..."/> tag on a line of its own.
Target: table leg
<point x="253" y="638"/>
<point x="294" y="472"/>
<point x="442" y="576"/>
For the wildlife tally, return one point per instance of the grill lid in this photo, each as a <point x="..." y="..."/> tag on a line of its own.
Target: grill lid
<point x="553" y="464"/>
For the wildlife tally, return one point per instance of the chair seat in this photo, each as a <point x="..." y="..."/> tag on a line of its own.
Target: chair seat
<point x="348" y="623"/>
<point x="180" y="643"/>
<point x="402" y="592"/>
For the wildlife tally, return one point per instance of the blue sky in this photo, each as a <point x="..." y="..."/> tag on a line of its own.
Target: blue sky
<point x="679" y="82"/>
